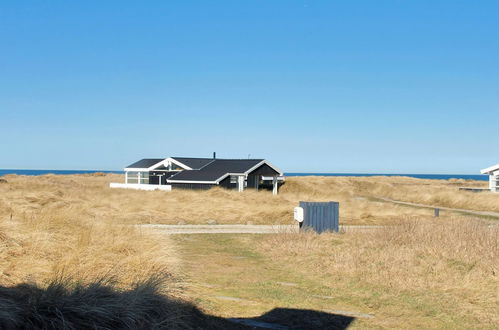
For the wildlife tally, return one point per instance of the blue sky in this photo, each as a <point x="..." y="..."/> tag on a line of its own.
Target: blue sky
<point x="313" y="86"/>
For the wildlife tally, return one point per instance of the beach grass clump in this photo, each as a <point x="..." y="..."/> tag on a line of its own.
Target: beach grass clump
<point x="40" y="244"/>
<point x="68" y="304"/>
<point x="50" y="227"/>
<point x="64" y="267"/>
<point x="65" y="303"/>
<point x="449" y="266"/>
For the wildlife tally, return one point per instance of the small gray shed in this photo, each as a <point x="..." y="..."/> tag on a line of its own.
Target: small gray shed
<point x="320" y="216"/>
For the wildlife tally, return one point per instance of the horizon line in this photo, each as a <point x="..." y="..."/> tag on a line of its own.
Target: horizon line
<point x="294" y="172"/>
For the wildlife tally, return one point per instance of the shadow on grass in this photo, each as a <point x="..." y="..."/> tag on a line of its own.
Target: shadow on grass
<point x="290" y="318"/>
<point x="100" y="305"/>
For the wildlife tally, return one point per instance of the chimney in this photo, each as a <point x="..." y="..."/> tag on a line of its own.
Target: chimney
<point x="214" y="155"/>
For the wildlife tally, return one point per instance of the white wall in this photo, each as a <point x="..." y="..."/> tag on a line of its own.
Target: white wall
<point x="140" y="186"/>
<point x="494" y="183"/>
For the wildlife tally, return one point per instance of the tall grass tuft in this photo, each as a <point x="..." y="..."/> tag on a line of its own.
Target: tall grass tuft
<point x="455" y="258"/>
<point x="68" y="304"/>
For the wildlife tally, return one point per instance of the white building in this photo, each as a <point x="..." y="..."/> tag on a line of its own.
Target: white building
<point x="493" y="173"/>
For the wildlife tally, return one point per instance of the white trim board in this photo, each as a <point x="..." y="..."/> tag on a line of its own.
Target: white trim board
<point x="186" y="181"/>
<point x="170" y="160"/>
<point x="140" y="186"/>
<point x="269" y="178"/>
<point x="158" y="164"/>
<point x="490" y="169"/>
<point x="260" y="164"/>
<point x="251" y="170"/>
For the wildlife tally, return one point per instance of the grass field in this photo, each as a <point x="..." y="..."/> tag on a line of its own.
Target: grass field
<point x="421" y="273"/>
<point x="419" y="276"/>
<point x="91" y="194"/>
<point x="50" y="226"/>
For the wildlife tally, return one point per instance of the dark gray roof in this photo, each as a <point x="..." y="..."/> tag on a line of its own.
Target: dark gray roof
<point x="216" y="169"/>
<point x="196" y="175"/>
<point x="145" y="163"/>
<point x="194" y="163"/>
<point x="231" y="165"/>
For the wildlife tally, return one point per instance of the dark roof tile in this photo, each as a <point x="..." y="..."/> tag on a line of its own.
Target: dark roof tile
<point x="145" y="163"/>
<point x="216" y="169"/>
<point x="194" y="163"/>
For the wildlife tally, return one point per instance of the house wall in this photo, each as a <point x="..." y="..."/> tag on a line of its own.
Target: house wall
<point x="154" y="178"/>
<point x="225" y="183"/>
<point x="256" y="174"/>
<point x="494" y="183"/>
<point x="264" y="170"/>
<point x="253" y="180"/>
<point x="196" y="186"/>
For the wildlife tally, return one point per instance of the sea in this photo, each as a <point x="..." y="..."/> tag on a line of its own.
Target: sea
<point x="479" y="177"/>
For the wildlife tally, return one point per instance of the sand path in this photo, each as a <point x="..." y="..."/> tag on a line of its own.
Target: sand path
<point x="237" y="229"/>
<point x="472" y="212"/>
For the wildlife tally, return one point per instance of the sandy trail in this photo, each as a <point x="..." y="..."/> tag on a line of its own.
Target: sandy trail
<point x="237" y="229"/>
<point x="472" y="212"/>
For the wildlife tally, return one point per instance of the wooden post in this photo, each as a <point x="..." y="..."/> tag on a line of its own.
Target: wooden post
<point x="240" y="183"/>
<point x="274" y="185"/>
<point x="437" y="212"/>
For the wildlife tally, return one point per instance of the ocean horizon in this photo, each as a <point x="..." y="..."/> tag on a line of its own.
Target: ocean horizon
<point x="479" y="177"/>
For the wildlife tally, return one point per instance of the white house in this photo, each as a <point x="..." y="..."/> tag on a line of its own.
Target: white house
<point x="493" y="173"/>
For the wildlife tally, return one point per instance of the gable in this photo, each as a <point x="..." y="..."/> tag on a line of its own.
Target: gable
<point x="264" y="169"/>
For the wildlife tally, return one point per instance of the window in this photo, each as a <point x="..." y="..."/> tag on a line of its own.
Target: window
<point x="174" y="167"/>
<point x="144" y="178"/>
<point x="132" y="177"/>
<point x="137" y="177"/>
<point x="234" y="180"/>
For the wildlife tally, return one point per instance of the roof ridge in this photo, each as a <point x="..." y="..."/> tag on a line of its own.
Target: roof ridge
<point x="240" y="159"/>
<point x="191" y="157"/>
<point x="214" y="159"/>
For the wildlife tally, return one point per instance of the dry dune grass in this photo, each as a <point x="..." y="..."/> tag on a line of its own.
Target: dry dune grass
<point x="92" y="195"/>
<point x="430" y="192"/>
<point x="446" y="267"/>
<point x="65" y="265"/>
<point x="47" y="229"/>
<point x="76" y="227"/>
<point x="67" y="262"/>
<point x="56" y="223"/>
<point x="98" y="305"/>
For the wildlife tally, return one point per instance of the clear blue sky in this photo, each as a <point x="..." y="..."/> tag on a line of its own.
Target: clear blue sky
<point x="316" y="86"/>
